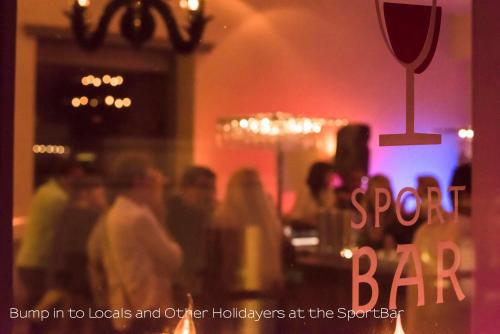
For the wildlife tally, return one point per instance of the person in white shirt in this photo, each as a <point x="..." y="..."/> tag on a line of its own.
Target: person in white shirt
<point x="138" y="257"/>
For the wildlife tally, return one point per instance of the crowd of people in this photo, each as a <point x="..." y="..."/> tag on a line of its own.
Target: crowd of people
<point x="323" y="192"/>
<point x="121" y="243"/>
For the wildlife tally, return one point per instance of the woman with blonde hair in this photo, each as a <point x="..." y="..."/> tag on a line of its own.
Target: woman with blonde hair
<point x="250" y="236"/>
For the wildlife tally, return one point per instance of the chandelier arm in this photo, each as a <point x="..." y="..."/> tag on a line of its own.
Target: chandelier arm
<point x="195" y="29"/>
<point x="93" y="40"/>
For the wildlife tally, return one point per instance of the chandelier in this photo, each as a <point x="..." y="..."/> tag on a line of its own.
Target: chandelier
<point x="137" y="24"/>
<point x="277" y="130"/>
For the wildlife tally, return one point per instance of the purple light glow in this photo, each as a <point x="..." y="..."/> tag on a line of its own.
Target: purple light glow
<point x="404" y="164"/>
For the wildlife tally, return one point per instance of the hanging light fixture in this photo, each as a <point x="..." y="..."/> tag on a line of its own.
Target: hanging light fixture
<point x="137" y="23"/>
<point x="272" y="128"/>
<point x="278" y="130"/>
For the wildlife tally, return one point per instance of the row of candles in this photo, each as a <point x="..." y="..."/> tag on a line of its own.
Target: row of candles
<point x="192" y="5"/>
<point x="186" y="324"/>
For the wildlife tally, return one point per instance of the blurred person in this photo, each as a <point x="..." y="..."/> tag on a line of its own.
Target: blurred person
<point x="383" y="236"/>
<point x="68" y="280"/>
<point x="87" y="203"/>
<point x="351" y="181"/>
<point x="424" y="182"/>
<point x="427" y="239"/>
<point x="134" y="252"/>
<point x="189" y="215"/>
<point x="35" y="254"/>
<point x="317" y="196"/>
<point x="98" y="259"/>
<point x="250" y="237"/>
<point x="463" y="177"/>
<point x="351" y="161"/>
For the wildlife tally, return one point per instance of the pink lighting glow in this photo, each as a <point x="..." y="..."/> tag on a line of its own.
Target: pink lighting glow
<point x="293" y="76"/>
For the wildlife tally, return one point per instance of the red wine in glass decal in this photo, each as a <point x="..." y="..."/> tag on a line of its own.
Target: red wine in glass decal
<point x="412" y="37"/>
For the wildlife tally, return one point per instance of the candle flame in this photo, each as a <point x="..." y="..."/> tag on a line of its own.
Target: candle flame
<point x="186" y="325"/>
<point x="346" y="253"/>
<point x="83" y="3"/>
<point x="192" y="5"/>
<point x="399" y="327"/>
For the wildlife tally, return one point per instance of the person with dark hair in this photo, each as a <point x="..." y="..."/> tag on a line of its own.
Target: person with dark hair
<point x="318" y="195"/>
<point x="424" y="182"/>
<point x="189" y="214"/>
<point x="193" y="175"/>
<point x="139" y="258"/>
<point x="351" y="161"/>
<point x="34" y="257"/>
<point x="86" y="204"/>
<point x="463" y="177"/>
<point x="69" y="286"/>
<point x="383" y="236"/>
<point x="319" y="179"/>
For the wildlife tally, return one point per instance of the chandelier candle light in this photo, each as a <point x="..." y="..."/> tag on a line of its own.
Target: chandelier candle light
<point x="138" y="24"/>
<point x="278" y="130"/>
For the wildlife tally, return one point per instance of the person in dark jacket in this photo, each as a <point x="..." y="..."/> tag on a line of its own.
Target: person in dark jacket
<point x="78" y="219"/>
<point x="189" y="214"/>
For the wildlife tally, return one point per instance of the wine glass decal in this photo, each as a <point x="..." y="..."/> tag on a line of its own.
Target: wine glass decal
<point x="412" y="36"/>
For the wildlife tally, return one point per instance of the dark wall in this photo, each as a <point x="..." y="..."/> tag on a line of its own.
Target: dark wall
<point x="7" y="71"/>
<point x="486" y="163"/>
